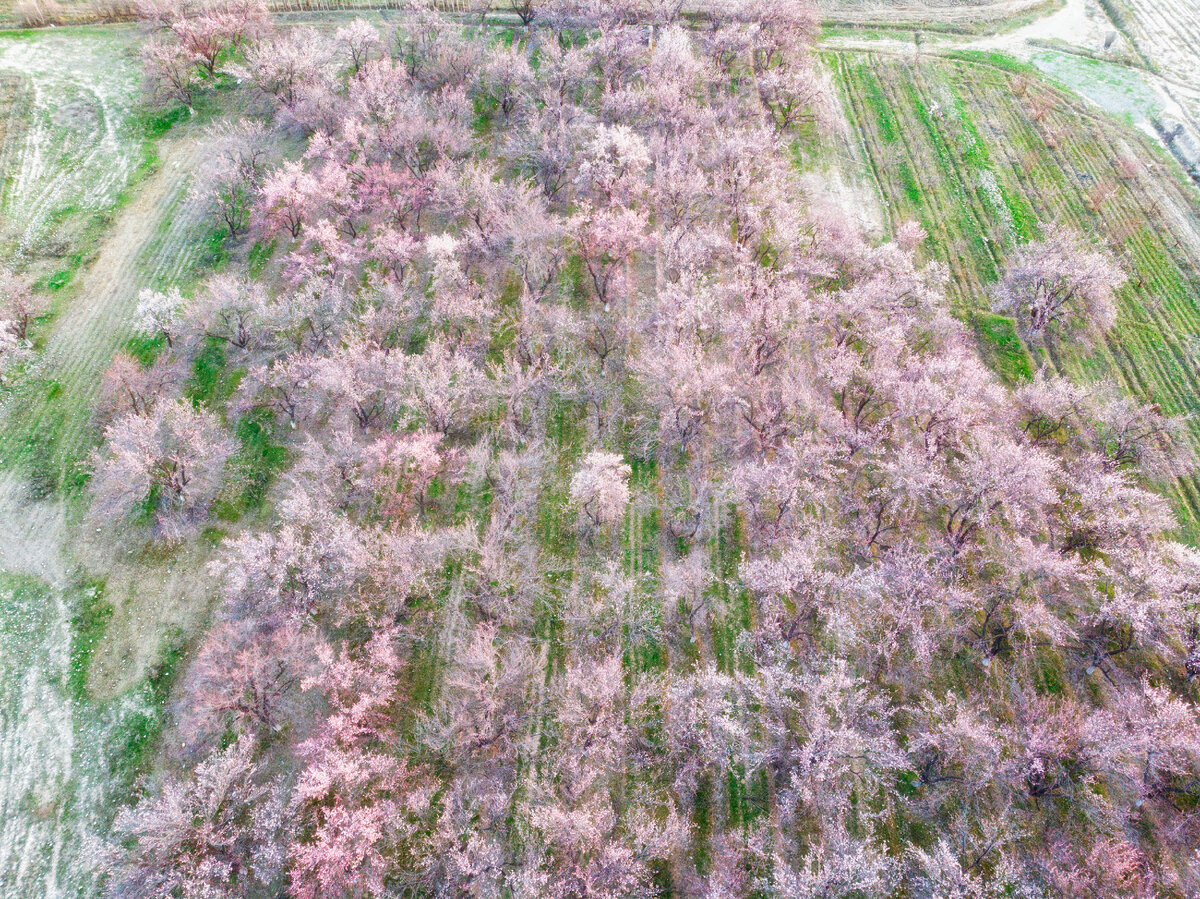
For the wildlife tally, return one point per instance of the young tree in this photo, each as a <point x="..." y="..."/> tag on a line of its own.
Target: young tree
<point x="525" y="10"/>
<point x="230" y="179"/>
<point x="287" y="200"/>
<point x="160" y="314"/>
<point x="129" y="389"/>
<point x="794" y="94"/>
<point x="171" y="75"/>
<point x="600" y="487"/>
<point x="356" y="43"/>
<point x="302" y="569"/>
<point x="12" y="352"/>
<point x="285" y="67"/>
<point x="233" y="311"/>
<point x="507" y="78"/>
<point x="209" y="30"/>
<point x="19" y="305"/>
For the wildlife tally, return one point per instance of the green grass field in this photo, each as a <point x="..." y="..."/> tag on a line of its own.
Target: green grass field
<point x="979" y="154"/>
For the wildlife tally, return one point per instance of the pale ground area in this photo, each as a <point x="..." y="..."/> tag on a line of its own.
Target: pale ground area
<point x="849" y="184"/>
<point x="1168" y="33"/>
<point x="76" y="152"/>
<point x="1080" y="23"/>
<point x="31" y="533"/>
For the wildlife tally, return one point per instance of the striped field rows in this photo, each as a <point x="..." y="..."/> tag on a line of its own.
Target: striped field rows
<point x="980" y="155"/>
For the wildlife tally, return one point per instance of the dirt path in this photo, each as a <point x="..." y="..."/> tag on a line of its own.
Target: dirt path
<point x="154" y="240"/>
<point x="1080" y="23"/>
<point x="150" y="242"/>
<point x="148" y="239"/>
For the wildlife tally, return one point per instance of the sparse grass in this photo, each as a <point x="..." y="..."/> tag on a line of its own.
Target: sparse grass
<point x="1119" y="90"/>
<point x="258" y="257"/>
<point x="253" y="468"/>
<point x="82" y="754"/>
<point x="75" y="99"/>
<point x="135" y="740"/>
<point x="211" y="382"/>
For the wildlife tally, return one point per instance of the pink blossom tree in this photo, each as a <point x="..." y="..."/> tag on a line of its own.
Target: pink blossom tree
<point x="1060" y="284"/>
<point x="359" y="804"/>
<point x="167" y="463"/>
<point x="246" y="678"/>
<point x="600" y="487"/>
<point x="357" y="43"/>
<point x="214" y="832"/>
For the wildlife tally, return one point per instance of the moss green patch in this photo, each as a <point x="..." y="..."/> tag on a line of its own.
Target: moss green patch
<point x="1002" y="348"/>
<point x="253" y="468"/>
<point x="212" y="382"/>
<point x="258" y="257"/>
<point x="145" y="350"/>
<point x="60" y="279"/>
<point x="88" y="627"/>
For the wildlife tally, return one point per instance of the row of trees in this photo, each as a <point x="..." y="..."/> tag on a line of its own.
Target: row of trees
<point x="646" y="529"/>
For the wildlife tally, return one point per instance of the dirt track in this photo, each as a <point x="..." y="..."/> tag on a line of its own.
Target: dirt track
<point x="940" y="12"/>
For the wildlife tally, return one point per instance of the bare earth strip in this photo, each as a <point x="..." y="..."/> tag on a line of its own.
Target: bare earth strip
<point x="134" y="255"/>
